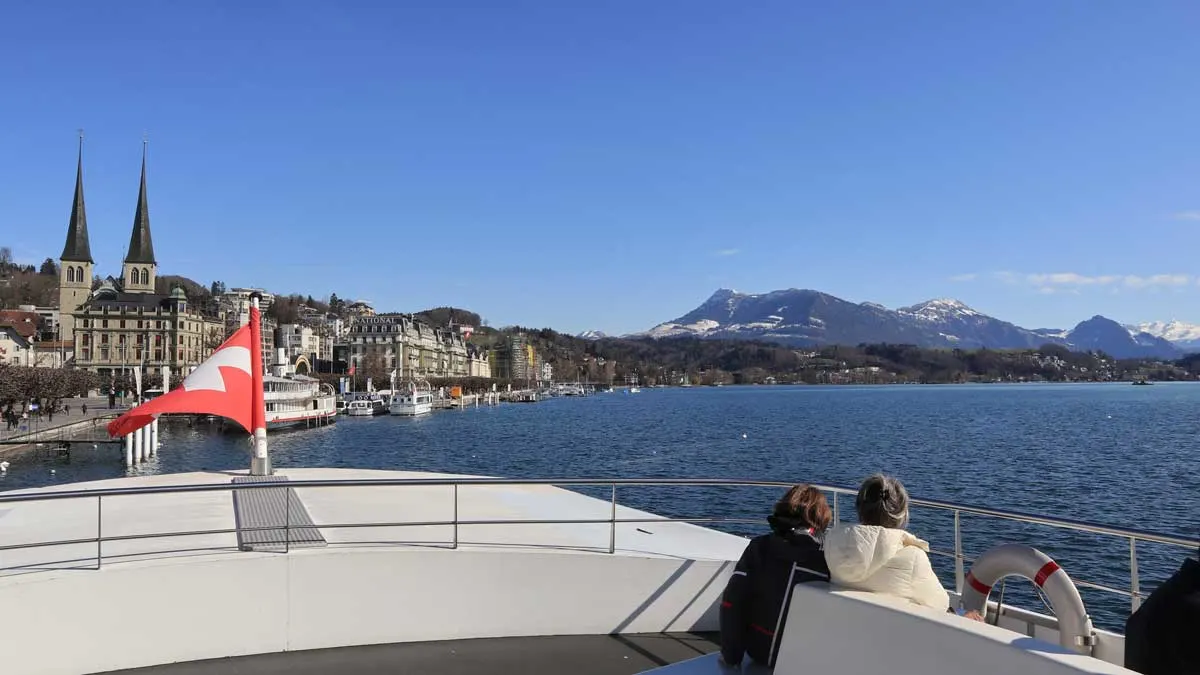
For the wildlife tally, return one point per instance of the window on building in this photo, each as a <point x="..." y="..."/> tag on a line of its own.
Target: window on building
<point x="104" y="338"/>
<point x="137" y="354"/>
<point x="122" y="323"/>
<point x="84" y="354"/>
<point x="104" y="353"/>
<point x="145" y="276"/>
<point x="70" y="273"/>
<point x="139" y="320"/>
<point x="157" y="340"/>
<point x="158" y="324"/>
<point x="133" y="276"/>
<point x="104" y="323"/>
<point x="158" y="355"/>
<point x="84" y="338"/>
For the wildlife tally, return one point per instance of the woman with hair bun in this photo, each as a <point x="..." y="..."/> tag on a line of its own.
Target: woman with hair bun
<point x="878" y="555"/>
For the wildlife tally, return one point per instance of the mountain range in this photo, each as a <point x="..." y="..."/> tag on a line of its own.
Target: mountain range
<point x="801" y="317"/>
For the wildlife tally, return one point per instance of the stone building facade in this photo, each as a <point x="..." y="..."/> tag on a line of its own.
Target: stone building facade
<point x="403" y="343"/>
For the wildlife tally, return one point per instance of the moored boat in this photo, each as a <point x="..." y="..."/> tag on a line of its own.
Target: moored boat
<point x="413" y="400"/>
<point x="294" y="400"/>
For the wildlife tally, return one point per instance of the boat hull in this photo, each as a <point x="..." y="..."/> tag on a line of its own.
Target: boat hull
<point x="302" y="421"/>
<point x="411" y="410"/>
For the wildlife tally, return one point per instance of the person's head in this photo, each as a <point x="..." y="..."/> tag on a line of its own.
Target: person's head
<point x="803" y="507"/>
<point x="883" y="501"/>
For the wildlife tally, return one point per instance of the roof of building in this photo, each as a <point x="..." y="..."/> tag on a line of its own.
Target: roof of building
<point x="78" y="248"/>
<point x="26" y="323"/>
<point x="14" y="334"/>
<point x="109" y="296"/>
<point x="141" y="247"/>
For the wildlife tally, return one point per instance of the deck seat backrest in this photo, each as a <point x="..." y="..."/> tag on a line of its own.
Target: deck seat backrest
<point x="832" y="630"/>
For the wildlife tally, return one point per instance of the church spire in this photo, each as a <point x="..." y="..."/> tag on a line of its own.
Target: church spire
<point x="77" y="248"/>
<point x="141" y="248"/>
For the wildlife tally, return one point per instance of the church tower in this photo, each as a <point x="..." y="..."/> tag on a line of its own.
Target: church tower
<point x="140" y="271"/>
<point x="75" y="263"/>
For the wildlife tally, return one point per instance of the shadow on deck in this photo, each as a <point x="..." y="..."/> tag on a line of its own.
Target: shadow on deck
<point x="575" y="654"/>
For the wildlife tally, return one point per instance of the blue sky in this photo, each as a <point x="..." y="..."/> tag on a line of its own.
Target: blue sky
<point x="608" y="167"/>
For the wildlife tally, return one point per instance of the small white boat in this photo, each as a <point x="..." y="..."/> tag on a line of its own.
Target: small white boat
<point x="417" y="400"/>
<point x="360" y="408"/>
<point x="635" y="390"/>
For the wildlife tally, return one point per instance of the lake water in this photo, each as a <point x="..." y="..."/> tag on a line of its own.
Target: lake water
<point x="1114" y="454"/>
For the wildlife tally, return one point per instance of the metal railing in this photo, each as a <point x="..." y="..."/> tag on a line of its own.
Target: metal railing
<point x="1133" y="537"/>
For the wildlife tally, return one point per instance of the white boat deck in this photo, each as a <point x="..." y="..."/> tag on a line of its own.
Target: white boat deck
<point x="192" y="597"/>
<point x="164" y="514"/>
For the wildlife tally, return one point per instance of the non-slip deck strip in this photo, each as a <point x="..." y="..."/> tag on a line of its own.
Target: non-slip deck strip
<point x="273" y="508"/>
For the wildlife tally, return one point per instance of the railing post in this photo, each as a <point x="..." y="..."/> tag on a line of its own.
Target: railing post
<point x="454" y="544"/>
<point x="1134" y="583"/>
<point x="959" y="577"/>
<point x="99" y="529"/>
<point x="612" y="522"/>
<point x="836" y="516"/>
<point x="287" y="517"/>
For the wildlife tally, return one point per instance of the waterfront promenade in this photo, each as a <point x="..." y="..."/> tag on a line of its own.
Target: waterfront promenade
<point x="63" y="425"/>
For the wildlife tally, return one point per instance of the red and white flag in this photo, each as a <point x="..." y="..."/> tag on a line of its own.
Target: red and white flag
<point x="228" y="384"/>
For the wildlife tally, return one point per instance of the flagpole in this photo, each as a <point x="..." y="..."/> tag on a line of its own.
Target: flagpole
<point x="260" y="464"/>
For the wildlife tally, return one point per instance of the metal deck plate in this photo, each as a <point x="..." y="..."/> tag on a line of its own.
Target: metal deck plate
<point x="272" y="508"/>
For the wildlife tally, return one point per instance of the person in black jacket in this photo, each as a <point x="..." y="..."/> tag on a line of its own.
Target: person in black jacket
<point x="1163" y="636"/>
<point x="756" y="597"/>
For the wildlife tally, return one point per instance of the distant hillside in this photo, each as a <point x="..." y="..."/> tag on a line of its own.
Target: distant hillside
<point x="709" y="360"/>
<point x="23" y="287"/>
<point x="444" y="316"/>
<point x="194" y="289"/>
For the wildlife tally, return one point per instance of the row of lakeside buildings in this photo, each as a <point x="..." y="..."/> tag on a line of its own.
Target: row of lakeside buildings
<point x="119" y="323"/>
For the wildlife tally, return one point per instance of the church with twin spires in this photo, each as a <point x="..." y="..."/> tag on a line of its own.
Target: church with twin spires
<point x="124" y="322"/>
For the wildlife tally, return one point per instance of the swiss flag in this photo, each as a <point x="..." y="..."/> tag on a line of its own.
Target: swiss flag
<point x="228" y="384"/>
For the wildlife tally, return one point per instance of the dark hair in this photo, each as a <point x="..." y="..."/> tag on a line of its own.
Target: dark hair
<point x="883" y="501"/>
<point x="803" y="506"/>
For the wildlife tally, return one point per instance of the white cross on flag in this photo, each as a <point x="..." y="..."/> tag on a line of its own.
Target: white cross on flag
<point x="229" y="384"/>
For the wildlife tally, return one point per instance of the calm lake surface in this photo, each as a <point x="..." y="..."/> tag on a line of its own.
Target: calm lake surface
<point x="1110" y="453"/>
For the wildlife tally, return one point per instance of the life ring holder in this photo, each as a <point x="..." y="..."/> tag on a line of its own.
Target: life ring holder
<point x="1074" y="625"/>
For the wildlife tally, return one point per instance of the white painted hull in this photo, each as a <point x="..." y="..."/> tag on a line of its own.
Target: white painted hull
<point x="411" y="409"/>
<point x="285" y="422"/>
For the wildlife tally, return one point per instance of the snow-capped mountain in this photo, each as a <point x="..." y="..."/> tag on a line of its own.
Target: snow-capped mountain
<point x="1184" y="335"/>
<point x="808" y="317"/>
<point x="967" y="327"/>
<point x="793" y="316"/>
<point x="592" y="335"/>
<point x="1099" y="333"/>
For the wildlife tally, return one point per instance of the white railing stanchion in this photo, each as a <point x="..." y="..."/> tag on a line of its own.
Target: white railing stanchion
<point x="836" y="515"/>
<point x="287" y="508"/>
<point x="612" y="522"/>
<point x="959" y="576"/>
<point x="1135" y="591"/>
<point x="454" y="544"/>
<point x="99" y="530"/>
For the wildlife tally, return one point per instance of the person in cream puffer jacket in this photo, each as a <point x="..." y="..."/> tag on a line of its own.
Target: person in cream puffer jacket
<point x="878" y="555"/>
